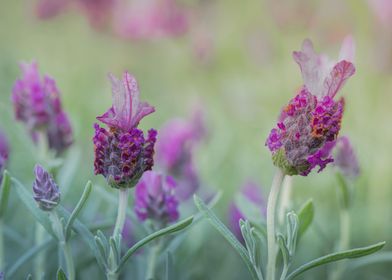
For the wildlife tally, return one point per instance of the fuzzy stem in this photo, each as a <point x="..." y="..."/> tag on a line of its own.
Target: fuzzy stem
<point x="121" y="212"/>
<point x="271" y="209"/>
<point x="154" y="252"/>
<point x="285" y="199"/>
<point x="39" y="260"/>
<point x="1" y="245"/>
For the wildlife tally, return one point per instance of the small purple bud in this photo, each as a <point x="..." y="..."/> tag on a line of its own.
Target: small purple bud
<point x="345" y="158"/>
<point x="252" y="192"/>
<point x="45" y="190"/>
<point x="155" y="198"/>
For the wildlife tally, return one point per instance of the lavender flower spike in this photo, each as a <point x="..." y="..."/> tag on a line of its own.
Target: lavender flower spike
<point x="122" y="152"/>
<point x="45" y="190"/>
<point x="311" y="122"/>
<point x="155" y="198"/>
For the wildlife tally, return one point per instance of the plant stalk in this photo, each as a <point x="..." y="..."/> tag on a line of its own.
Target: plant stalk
<point x="271" y="213"/>
<point x="154" y="253"/>
<point x="121" y="212"/>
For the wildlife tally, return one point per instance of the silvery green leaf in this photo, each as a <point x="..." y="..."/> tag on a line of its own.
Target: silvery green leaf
<point x="305" y="216"/>
<point x="4" y="192"/>
<point x="283" y="248"/>
<point x="78" y="208"/>
<point x="349" y="254"/>
<point x="29" y="277"/>
<point x="226" y="233"/>
<point x="69" y="168"/>
<point x="114" y="248"/>
<point x="103" y="255"/>
<point x="165" y="231"/>
<point x="292" y="231"/>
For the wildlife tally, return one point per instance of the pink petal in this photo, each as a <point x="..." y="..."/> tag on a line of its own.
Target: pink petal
<point x="338" y="76"/>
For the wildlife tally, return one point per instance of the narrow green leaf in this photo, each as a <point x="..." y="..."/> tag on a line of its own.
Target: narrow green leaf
<point x="349" y="254"/>
<point x="283" y="248"/>
<point x="67" y="172"/>
<point x="61" y="275"/>
<point x="374" y="259"/>
<point x="226" y="233"/>
<point x="4" y="192"/>
<point x="292" y="232"/>
<point x="27" y="199"/>
<point x="305" y="216"/>
<point x="29" y="277"/>
<point x="170" y="229"/>
<point x="114" y="248"/>
<point x="78" y="208"/>
<point x="29" y="254"/>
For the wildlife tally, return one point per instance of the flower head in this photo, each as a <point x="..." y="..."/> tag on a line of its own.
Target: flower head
<point x="175" y="146"/>
<point x="252" y="193"/>
<point x="155" y="198"/>
<point x="37" y="104"/>
<point x="4" y="150"/>
<point x="312" y="118"/>
<point x="45" y="190"/>
<point x="122" y="152"/>
<point x="345" y="158"/>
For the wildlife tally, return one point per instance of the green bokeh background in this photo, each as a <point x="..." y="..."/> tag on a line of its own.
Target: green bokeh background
<point x="250" y="76"/>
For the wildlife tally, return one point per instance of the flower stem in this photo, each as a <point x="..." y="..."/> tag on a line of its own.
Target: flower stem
<point x="271" y="209"/>
<point x="39" y="267"/>
<point x="122" y="207"/>
<point x="1" y="246"/>
<point x="154" y="252"/>
<point x="285" y="198"/>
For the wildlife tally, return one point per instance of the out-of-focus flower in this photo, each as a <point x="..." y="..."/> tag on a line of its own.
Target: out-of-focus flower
<point x="251" y="192"/>
<point x="155" y="198"/>
<point x="46" y="9"/>
<point x="37" y="104"/>
<point x="383" y="11"/>
<point x="127" y="233"/>
<point x="98" y="12"/>
<point x="312" y="118"/>
<point x="149" y="19"/>
<point x="45" y="190"/>
<point x="345" y="158"/>
<point x="4" y="151"/>
<point x="122" y="153"/>
<point x="175" y="146"/>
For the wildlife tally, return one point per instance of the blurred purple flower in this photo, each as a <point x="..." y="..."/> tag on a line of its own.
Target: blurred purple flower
<point x="312" y="118"/>
<point x="45" y="190"/>
<point x="4" y="152"/>
<point x="155" y="198"/>
<point x="46" y="9"/>
<point x="127" y="233"/>
<point x="345" y="158"/>
<point x="148" y="19"/>
<point x="37" y="104"/>
<point x="252" y="192"/>
<point x="175" y="147"/>
<point x="382" y="10"/>
<point x="122" y="153"/>
<point x="98" y="12"/>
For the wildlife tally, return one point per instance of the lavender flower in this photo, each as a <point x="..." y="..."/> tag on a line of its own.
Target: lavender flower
<point x="4" y="150"/>
<point x="149" y="19"/>
<point x="122" y="152"/>
<point x="177" y="141"/>
<point x="252" y="192"/>
<point x="155" y="198"/>
<point x="345" y="158"/>
<point x="312" y="119"/>
<point x="45" y="190"/>
<point x="37" y="104"/>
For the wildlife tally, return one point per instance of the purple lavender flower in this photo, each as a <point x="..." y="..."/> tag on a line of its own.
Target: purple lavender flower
<point x="122" y="152"/>
<point x="45" y="190"/>
<point x="345" y="158"/>
<point x="175" y="147"/>
<point x="155" y="198"/>
<point x="252" y="192"/>
<point x="4" y="150"/>
<point x="312" y="119"/>
<point x="37" y="103"/>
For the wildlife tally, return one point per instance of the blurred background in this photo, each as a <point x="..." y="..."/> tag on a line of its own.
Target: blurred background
<point x="233" y="61"/>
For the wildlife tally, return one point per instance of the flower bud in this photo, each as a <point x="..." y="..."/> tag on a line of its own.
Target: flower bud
<point x="45" y="190"/>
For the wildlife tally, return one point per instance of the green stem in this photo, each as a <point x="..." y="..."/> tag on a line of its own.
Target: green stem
<point x="39" y="261"/>
<point x="285" y="198"/>
<point x="154" y="253"/>
<point x="271" y="209"/>
<point x="122" y="208"/>
<point x="1" y="245"/>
